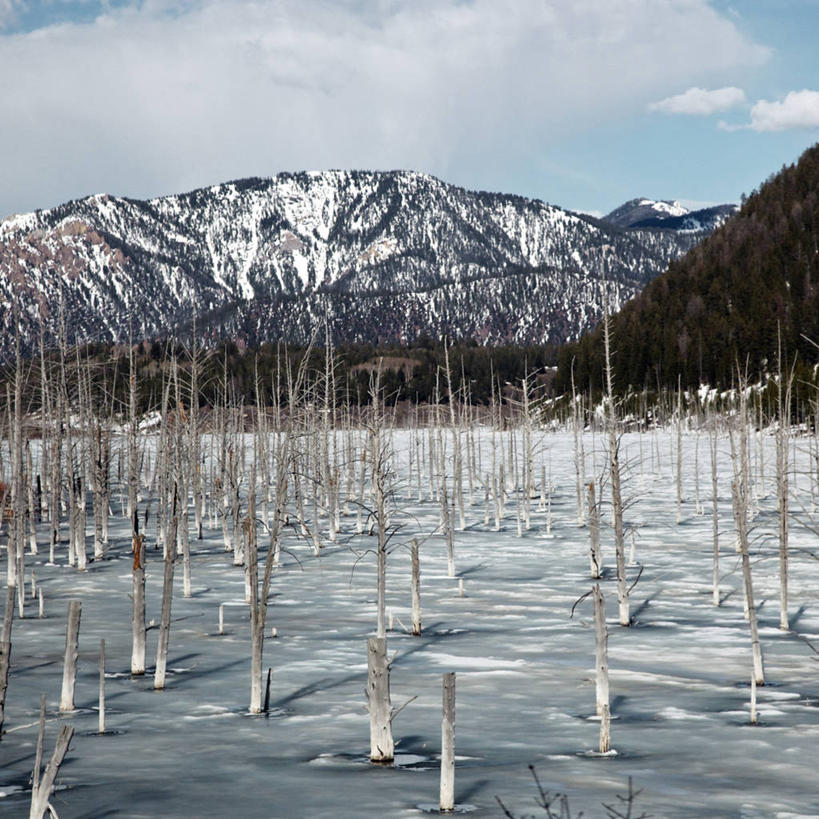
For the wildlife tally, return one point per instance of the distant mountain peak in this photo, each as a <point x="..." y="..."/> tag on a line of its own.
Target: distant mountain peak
<point x="641" y="208"/>
<point x="667" y="214"/>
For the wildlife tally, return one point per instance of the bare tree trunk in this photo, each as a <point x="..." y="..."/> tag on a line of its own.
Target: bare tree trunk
<point x="167" y="597"/>
<point x="41" y="793"/>
<point x="16" y="544"/>
<point x="101" y="725"/>
<point x="8" y="615"/>
<point x="448" y="529"/>
<point x="614" y="469"/>
<point x="138" y="596"/>
<point x="416" y="589"/>
<point x="698" y="505"/>
<point x="55" y="477"/>
<point x="98" y="454"/>
<point x="5" y="660"/>
<point x="259" y="599"/>
<point x="753" y="700"/>
<point x="714" y="514"/>
<point x="382" y="748"/>
<point x="133" y="454"/>
<point x="82" y="556"/>
<point x="31" y="510"/>
<point x="679" y="452"/>
<point x="739" y="491"/>
<point x="782" y="491"/>
<point x="447" y="797"/>
<point x="602" y="669"/>
<point x="195" y="441"/>
<point x="379" y="479"/>
<point x="595" y="555"/>
<point x="457" y="465"/>
<point x="72" y="633"/>
<point x="256" y="627"/>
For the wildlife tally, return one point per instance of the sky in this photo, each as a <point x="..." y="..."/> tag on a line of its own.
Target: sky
<point x="581" y="103"/>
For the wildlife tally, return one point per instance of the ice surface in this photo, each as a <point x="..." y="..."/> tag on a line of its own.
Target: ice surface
<point x="525" y="692"/>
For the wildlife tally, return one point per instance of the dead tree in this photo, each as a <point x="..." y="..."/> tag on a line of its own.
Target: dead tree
<point x="782" y="490"/>
<point x="614" y="473"/>
<point x="72" y="633"/>
<point x="382" y="747"/>
<point x="194" y="439"/>
<point x="447" y="792"/>
<point x="16" y="540"/>
<point x="138" y="599"/>
<point x="714" y="513"/>
<point x="182" y="468"/>
<point x="602" y="669"/>
<point x="43" y="786"/>
<point x="416" y="589"/>
<point x="380" y="464"/>
<point x="595" y="555"/>
<point x="5" y="659"/>
<point x="740" y="494"/>
<point x="283" y="455"/>
<point x="167" y="597"/>
<point x="579" y="454"/>
<point x="133" y="450"/>
<point x="101" y="721"/>
<point x="679" y="452"/>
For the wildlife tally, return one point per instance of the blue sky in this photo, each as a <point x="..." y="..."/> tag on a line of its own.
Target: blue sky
<point x="583" y="103"/>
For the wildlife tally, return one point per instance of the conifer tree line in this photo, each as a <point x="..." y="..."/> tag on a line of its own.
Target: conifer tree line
<point x="406" y="373"/>
<point x="728" y="304"/>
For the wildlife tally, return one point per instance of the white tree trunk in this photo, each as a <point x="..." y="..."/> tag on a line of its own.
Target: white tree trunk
<point x="101" y="725"/>
<point x="595" y="555"/>
<point x="167" y="597"/>
<point x="602" y="668"/>
<point x="138" y="600"/>
<point x="382" y="748"/>
<point x="72" y="633"/>
<point x="41" y="793"/>
<point x="447" y="797"/>
<point x="416" y="589"/>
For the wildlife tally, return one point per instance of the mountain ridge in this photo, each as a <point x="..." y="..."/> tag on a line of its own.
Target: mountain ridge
<point x="268" y="258"/>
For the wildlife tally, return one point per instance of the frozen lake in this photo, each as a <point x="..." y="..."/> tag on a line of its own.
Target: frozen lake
<point x="525" y="668"/>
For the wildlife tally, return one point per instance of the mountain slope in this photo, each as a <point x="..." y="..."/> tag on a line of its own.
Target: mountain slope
<point x="381" y="255"/>
<point x="722" y="304"/>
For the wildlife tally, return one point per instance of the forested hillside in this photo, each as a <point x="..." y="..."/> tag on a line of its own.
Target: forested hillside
<point x="720" y="306"/>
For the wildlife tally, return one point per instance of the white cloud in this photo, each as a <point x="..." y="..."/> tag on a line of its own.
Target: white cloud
<point x="166" y="95"/>
<point x="700" y="102"/>
<point x="799" y="109"/>
<point x="8" y="12"/>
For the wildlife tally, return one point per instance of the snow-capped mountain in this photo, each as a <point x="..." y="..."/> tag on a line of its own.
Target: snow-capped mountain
<point x="378" y="255"/>
<point x="668" y="215"/>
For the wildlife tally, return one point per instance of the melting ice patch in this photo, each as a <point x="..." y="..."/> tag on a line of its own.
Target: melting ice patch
<point x="476" y="663"/>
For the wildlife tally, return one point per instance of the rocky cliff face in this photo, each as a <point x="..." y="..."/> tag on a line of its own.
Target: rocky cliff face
<point x="377" y="255"/>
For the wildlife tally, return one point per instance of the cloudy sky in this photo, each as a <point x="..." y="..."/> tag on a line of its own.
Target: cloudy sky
<point x="583" y="103"/>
